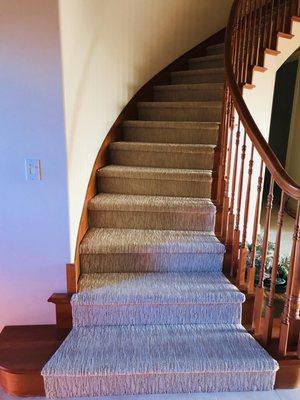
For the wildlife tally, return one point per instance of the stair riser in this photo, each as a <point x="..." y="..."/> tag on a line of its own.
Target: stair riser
<point x="154" y="187"/>
<point x="156" y="314"/>
<point x="201" y="78"/>
<point x="213" y="94"/>
<point x="199" y="114"/>
<point x="163" y="160"/>
<point x="160" y="135"/>
<point x="206" y="64"/>
<point x="215" y="50"/>
<point x="131" y="384"/>
<point x="150" y="262"/>
<point x="184" y="221"/>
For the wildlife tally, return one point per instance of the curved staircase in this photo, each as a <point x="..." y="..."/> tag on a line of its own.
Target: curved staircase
<point x="154" y="312"/>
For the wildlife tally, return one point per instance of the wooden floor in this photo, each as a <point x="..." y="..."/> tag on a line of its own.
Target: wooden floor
<point x="24" y="350"/>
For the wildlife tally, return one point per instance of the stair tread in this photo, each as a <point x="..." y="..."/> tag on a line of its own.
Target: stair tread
<point x="172" y="124"/>
<point x="163" y="147"/>
<point x="190" y="86"/>
<point x="159" y="349"/>
<point x="215" y="46"/>
<point x="155" y="173"/>
<point x="199" y="71"/>
<point x="207" y="58"/>
<point x="113" y="240"/>
<point x="166" y="288"/>
<point x="180" y="104"/>
<point x="115" y="202"/>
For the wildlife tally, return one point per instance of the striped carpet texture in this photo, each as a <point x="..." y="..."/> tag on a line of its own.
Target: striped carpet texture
<point x="154" y="313"/>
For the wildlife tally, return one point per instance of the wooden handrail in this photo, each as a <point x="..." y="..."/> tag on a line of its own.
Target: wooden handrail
<point x="281" y="177"/>
<point x="253" y="30"/>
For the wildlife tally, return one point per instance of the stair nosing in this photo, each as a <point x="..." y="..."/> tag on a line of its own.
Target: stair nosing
<point x="189" y="86"/>
<point x="198" y="71"/>
<point x="177" y="148"/>
<point x="210" y="57"/>
<point x="179" y="104"/>
<point x="177" y="124"/>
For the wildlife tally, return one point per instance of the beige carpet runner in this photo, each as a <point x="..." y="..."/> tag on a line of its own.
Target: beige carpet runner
<point x="154" y="313"/>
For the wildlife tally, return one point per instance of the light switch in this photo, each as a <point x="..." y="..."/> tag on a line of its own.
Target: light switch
<point x="33" y="169"/>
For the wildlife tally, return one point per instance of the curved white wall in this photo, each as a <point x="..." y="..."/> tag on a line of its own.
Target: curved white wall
<point x="109" y="50"/>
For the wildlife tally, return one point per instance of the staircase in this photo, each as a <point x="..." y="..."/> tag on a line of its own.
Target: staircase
<point x="154" y="313"/>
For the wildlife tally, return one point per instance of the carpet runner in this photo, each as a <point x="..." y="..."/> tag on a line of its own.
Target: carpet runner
<point x="154" y="313"/>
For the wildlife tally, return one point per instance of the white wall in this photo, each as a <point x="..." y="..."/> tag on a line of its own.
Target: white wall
<point x="292" y="158"/>
<point x="34" y="242"/>
<point x="110" y="49"/>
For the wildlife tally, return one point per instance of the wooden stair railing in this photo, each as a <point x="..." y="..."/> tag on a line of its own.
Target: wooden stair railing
<point x="252" y="31"/>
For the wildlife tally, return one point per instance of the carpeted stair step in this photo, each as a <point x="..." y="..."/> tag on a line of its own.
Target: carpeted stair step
<point x="155" y="181"/>
<point x="151" y="212"/>
<point x="210" y="61"/>
<point x="171" y="132"/>
<point x="216" y="75"/>
<point x="155" y="298"/>
<point x="209" y="111"/>
<point x="153" y="359"/>
<point x="216" y="49"/>
<point x="193" y="92"/>
<point x="134" y="250"/>
<point x="162" y="155"/>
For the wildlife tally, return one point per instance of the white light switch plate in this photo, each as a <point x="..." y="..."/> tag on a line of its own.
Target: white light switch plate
<point x="33" y="169"/>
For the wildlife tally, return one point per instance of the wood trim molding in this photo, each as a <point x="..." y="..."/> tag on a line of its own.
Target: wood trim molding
<point x="115" y="134"/>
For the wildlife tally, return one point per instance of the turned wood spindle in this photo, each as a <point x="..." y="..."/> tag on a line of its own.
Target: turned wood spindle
<point x="268" y="325"/>
<point x="229" y="236"/>
<point x="236" y="232"/>
<point x="259" y="290"/>
<point x="285" y="320"/>
<point x="251" y="270"/>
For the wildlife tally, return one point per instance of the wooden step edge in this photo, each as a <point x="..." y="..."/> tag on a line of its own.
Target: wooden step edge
<point x="60" y="298"/>
<point x="272" y="52"/>
<point x="248" y="86"/>
<point x="24" y="350"/>
<point x="285" y="35"/>
<point x="258" y="68"/>
<point x="295" y="18"/>
<point x="63" y="309"/>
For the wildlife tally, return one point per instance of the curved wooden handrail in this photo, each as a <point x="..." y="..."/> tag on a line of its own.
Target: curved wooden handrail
<point x="281" y="177"/>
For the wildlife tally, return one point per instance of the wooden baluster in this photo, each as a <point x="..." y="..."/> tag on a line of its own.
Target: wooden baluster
<point x="271" y="25"/>
<point x="265" y="26"/>
<point x="268" y="325"/>
<point x="278" y="16"/>
<point x="285" y="320"/>
<point x="251" y="270"/>
<point x="255" y="29"/>
<point x="284" y="16"/>
<point x="241" y="273"/>
<point x="227" y="174"/>
<point x="295" y="297"/>
<point x="259" y="32"/>
<point x="236" y="232"/>
<point x="222" y="143"/>
<point x="259" y="290"/>
<point x="241" y="41"/>
<point x="236" y="41"/>
<point x="249" y="40"/>
<point x="229" y="236"/>
<point x="245" y="44"/>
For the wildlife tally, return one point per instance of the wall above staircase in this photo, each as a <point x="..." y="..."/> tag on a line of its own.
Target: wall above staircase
<point x="110" y="49"/>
